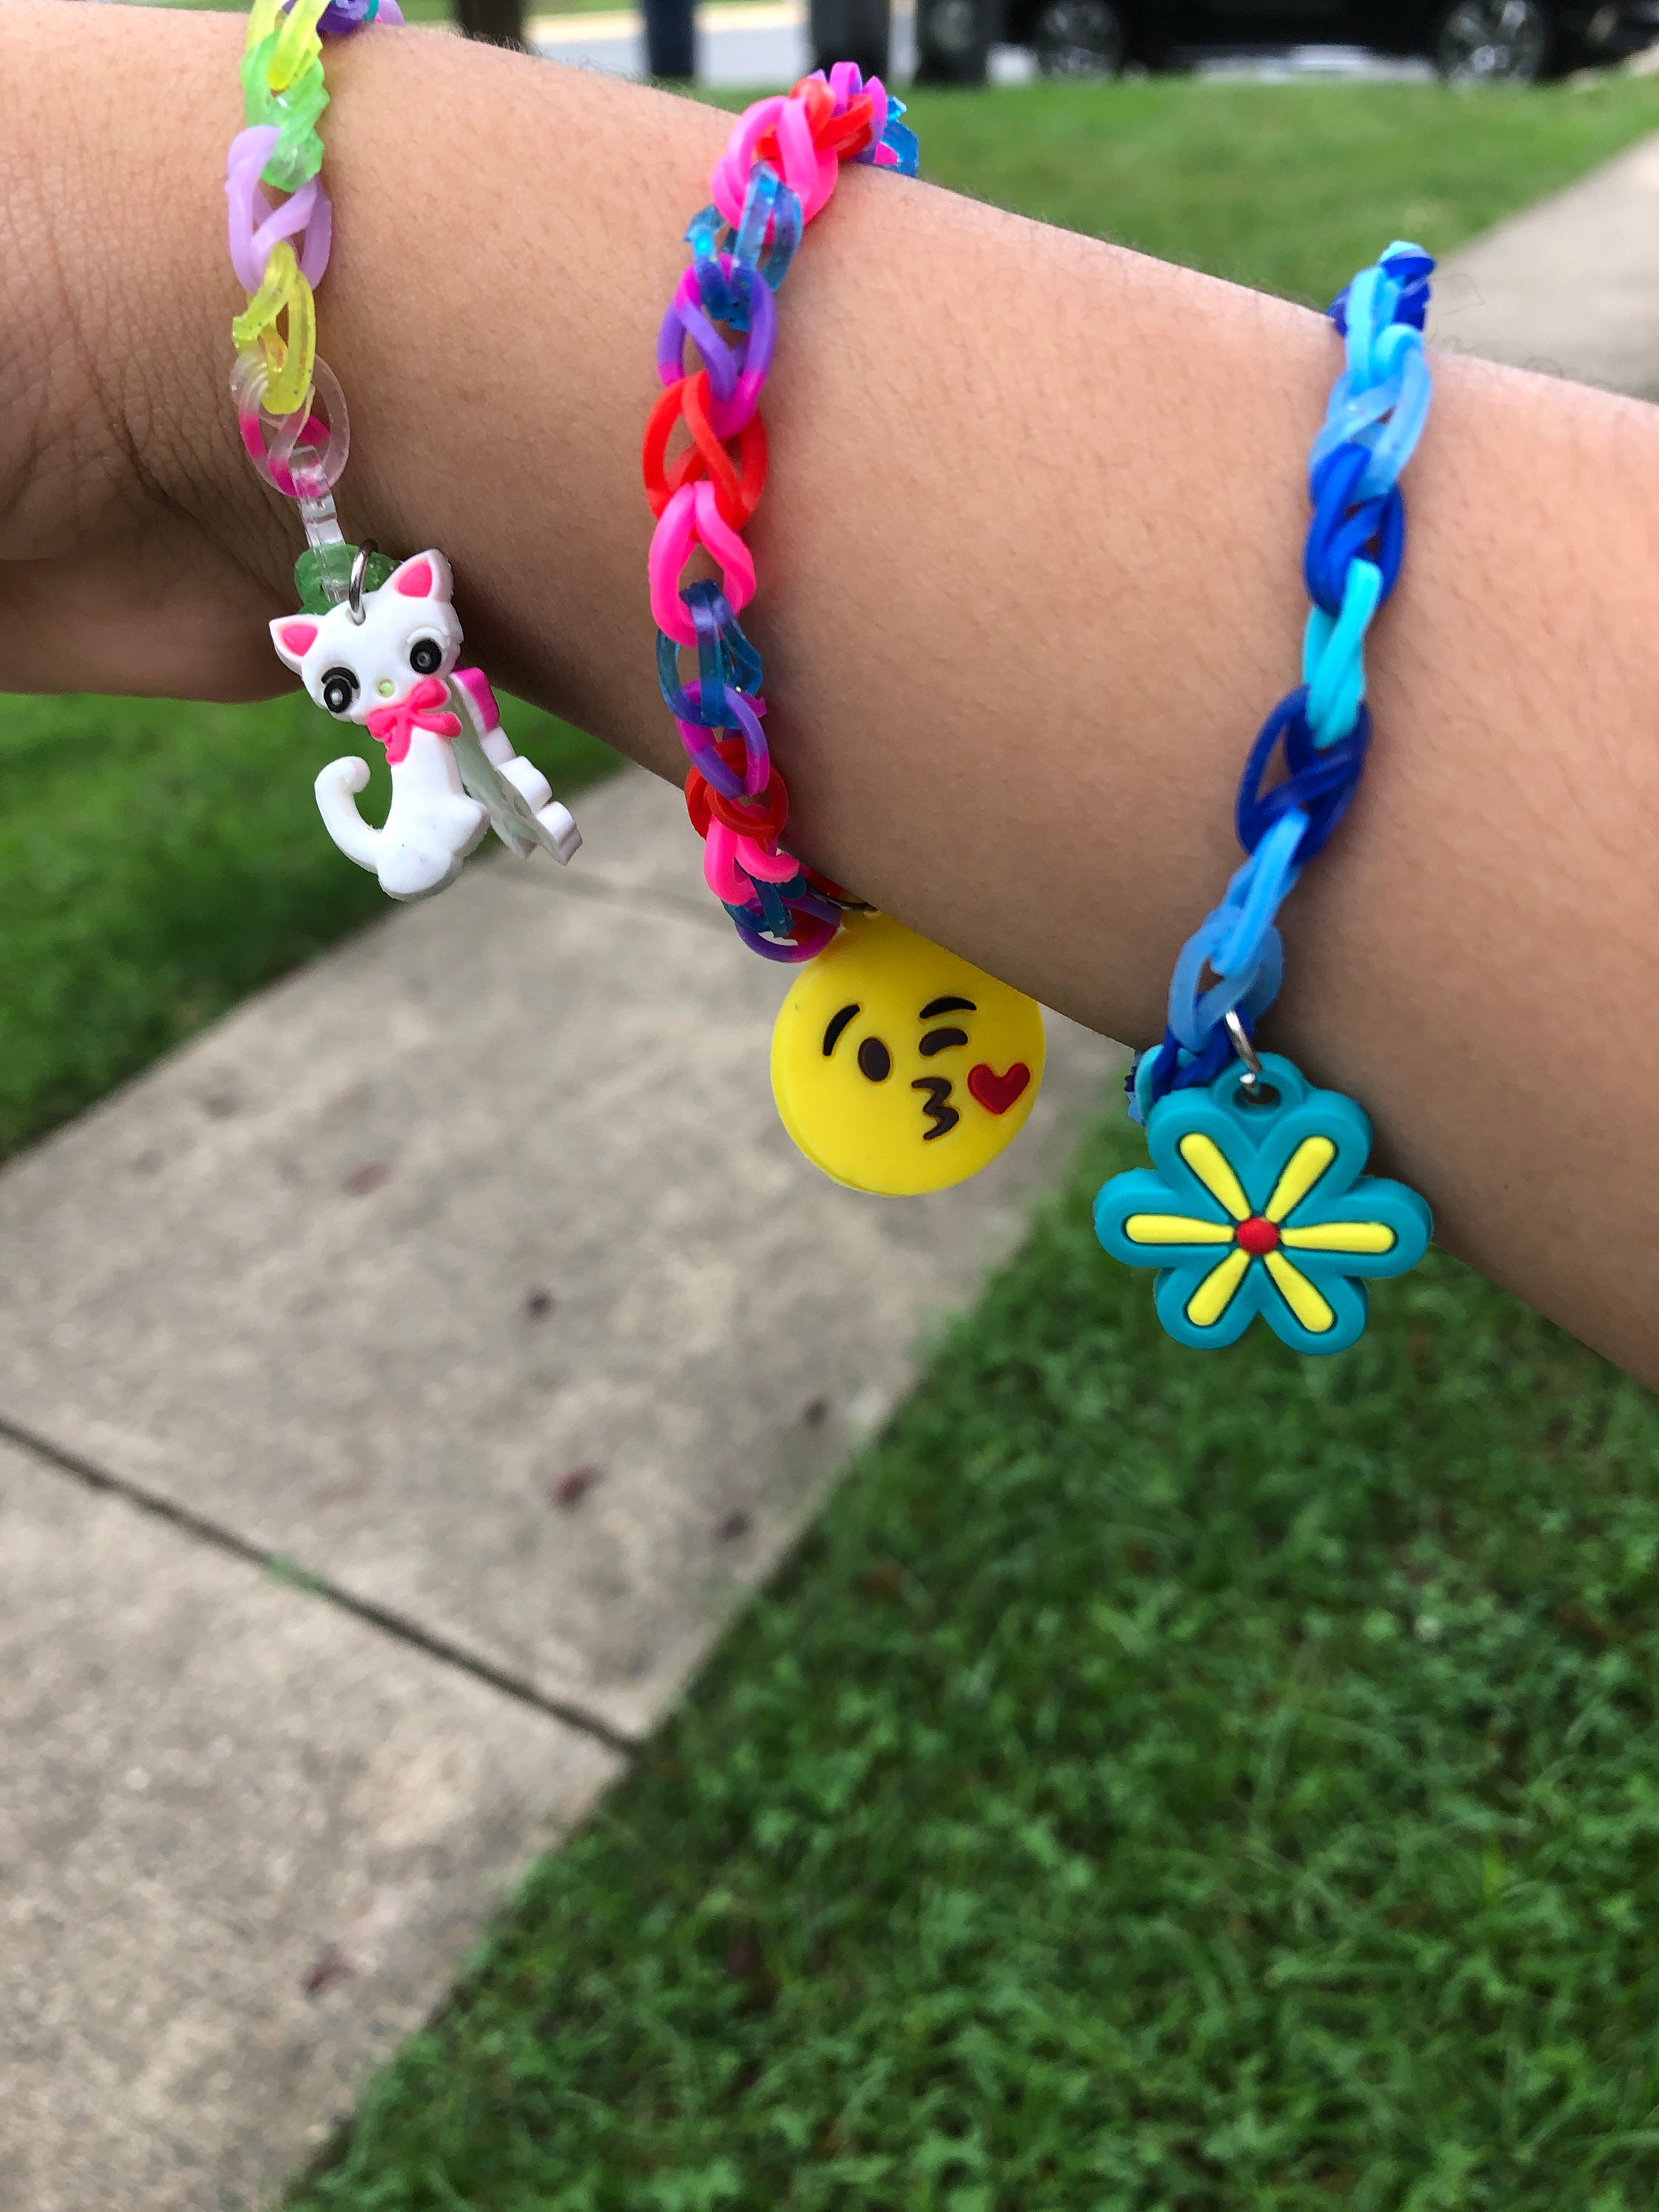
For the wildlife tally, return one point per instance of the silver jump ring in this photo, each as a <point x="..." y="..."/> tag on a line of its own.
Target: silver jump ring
<point x="354" y="584"/>
<point x="1244" y="1048"/>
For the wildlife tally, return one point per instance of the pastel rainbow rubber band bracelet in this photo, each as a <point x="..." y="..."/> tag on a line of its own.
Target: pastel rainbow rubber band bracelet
<point x="1256" y="1202"/>
<point x="379" y="642"/>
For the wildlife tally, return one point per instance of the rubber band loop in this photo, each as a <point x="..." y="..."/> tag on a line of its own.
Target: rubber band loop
<point x="284" y="296"/>
<point x="254" y="228"/>
<point x="302" y="453"/>
<point x="738" y="487"/>
<point x="692" y="518"/>
<point x="708" y="754"/>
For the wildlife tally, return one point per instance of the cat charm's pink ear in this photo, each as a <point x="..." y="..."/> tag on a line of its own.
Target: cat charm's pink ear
<point x="292" y="638"/>
<point x="423" y="576"/>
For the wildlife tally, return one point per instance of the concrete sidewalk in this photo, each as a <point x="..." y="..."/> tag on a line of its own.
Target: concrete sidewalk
<point x="401" y="1387"/>
<point x="1571" y="287"/>
<point x="244" y="1836"/>
<point x="469" y="1277"/>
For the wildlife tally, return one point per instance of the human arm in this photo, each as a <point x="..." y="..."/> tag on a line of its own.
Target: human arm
<point x="1029" y="564"/>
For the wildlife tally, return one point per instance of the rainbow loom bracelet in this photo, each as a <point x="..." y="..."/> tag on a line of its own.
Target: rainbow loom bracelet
<point x="378" y="642"/>
<point x="1256" y="1202"/>
<point x="778" y="171"/>
<point x="896" y="1068"/>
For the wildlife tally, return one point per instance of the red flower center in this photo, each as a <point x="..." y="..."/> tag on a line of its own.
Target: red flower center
<point x="1257" y="1235"/>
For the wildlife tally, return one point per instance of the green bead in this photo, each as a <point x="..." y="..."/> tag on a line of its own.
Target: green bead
<point x="298" y="153"/>
<point x="321" y="566"/>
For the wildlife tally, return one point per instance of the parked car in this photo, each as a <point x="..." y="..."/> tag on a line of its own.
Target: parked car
<point x="1469" y="41"/>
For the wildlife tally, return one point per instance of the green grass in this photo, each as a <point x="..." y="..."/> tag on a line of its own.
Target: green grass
<point x="159" y="860"/>
<point x="1161" y="1780"/>
<point x="1289" y="187"/>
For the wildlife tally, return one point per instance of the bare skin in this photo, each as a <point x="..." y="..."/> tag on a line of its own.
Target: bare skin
<point x="1029" y="556"/>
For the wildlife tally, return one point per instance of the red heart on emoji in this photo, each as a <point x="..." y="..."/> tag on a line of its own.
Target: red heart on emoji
<point x="997" y="1093"/>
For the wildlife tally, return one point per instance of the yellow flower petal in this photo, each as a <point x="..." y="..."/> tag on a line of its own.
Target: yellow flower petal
<point x="1300" y="1294"/>
<point x="1302" y="1171"/>
<point x="1209" y="1164"/>
<point x="1215" y="1293"/>
<point x="1342" y="1237"/>
<point x="1175" y="1229"/>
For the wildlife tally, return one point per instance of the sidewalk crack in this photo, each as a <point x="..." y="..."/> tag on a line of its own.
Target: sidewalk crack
<point x="283" y="1567"/>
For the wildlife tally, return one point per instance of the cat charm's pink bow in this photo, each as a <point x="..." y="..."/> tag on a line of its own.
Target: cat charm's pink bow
<point x="395" y="725"/>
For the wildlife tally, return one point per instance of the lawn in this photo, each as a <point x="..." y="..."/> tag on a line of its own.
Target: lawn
<point x="159" y="859"/>
<point x="1160" y="1781"/>
<point x="1289" y="187"/>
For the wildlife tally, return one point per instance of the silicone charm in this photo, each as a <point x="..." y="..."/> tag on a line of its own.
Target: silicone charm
<point x="391" y="669"/>
<point x="1258" y="1205"/>
<point x="899" y="1068"/>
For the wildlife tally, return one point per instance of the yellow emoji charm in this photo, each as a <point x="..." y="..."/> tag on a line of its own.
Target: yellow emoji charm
<point x="898" y="1067"/>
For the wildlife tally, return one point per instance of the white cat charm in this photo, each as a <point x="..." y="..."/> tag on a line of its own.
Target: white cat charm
<point x="386" y="662"/>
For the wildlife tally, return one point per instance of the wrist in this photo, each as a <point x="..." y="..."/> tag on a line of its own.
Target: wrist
<point x="124" y="500"/>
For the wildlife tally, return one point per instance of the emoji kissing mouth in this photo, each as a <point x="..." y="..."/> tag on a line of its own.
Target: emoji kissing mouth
<point x="943" y="1117"/>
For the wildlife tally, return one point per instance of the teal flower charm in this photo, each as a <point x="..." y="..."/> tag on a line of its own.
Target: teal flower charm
<point x="1260" y="1208"/>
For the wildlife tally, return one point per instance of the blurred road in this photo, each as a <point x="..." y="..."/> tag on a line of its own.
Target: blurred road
<point x="764" y="42"/>
<point x="740" y="42"/>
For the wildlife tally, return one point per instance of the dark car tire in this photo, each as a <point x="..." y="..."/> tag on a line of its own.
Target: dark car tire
<point x="953" y="41"/>
<point x="1494" y="42"/>
<point x="1078" y="38"/>
<point x="859" y="31"/>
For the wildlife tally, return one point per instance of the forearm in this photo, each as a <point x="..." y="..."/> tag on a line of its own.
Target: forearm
<point x="1030" y="562"/>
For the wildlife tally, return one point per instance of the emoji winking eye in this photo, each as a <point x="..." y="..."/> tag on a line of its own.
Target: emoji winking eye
<point x="899" y="1068"/>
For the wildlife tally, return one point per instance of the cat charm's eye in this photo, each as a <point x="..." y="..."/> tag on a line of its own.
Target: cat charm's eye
<point x="426" y="656"/>
<point x="339" y="688"/>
